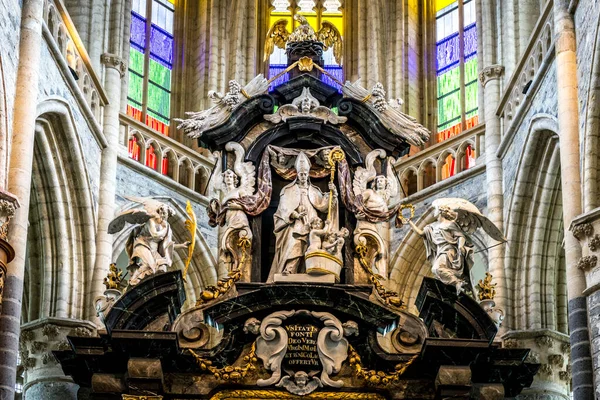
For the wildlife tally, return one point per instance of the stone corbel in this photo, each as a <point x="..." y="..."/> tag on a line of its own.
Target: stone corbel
<point x="114" y="61"/>
<point x="490" y="73"/>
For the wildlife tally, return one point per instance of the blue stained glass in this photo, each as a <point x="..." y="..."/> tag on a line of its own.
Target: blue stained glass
<point x="448" y="53"/>
<point x="161" y="46"/>
<point x="470" y="41"/>
<point x="275" y="69"/>
<point x="138" y="31"/>
<point x="337" y="72"/>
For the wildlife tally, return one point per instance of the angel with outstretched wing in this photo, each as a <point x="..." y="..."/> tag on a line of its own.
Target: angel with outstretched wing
<point x="448" y="243"/>
<point x="150" y="244"/>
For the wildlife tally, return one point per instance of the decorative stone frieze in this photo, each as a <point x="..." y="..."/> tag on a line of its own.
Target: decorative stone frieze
<point x="490" y="73"/>
<point x="114" y="61"/>
<point x="587" y="262"/>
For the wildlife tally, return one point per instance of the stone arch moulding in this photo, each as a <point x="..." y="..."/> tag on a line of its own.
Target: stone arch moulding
<point x="62" y="200"/>
<point x="203" y="270"/>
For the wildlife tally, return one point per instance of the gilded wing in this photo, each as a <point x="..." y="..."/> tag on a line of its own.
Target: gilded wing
<point x="136" y="216"/>
<point x="331" y="37"/>
<point x="277" y="36"/>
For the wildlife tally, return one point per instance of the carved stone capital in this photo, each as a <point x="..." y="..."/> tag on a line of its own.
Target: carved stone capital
<point x="588" y="262"/>
<point x="594" y="243"/>
<point x="582" y="230"/>
<point x="490" y="73"/>
<point x="8" y="206"/>
<point x="114" y="61"/>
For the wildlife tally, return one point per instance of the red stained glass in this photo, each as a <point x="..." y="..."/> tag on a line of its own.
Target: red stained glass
<point x="165" y="166"/>
<point x="150" y="158"/>
<point x="157" y="125"/>
<point x="134" y="113"/>
<point x="134" y="149"/>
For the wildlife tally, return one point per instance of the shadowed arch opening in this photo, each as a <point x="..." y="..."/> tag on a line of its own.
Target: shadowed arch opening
<point x="534" y="263"/>
<point x="60" y="241"/>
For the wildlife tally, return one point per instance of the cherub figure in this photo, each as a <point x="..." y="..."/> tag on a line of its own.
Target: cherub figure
<point x="150" y="245"/>
<point x="317" y="233"/>
<point x="302" y="384"/>
<point x="335" y="242"/>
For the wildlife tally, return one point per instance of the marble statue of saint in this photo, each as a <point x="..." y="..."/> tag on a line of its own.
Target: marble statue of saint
<point x="150" y="244"/>
<point x="234" y="184"/>
<point x="447" y="240"/>
<point x="299" y="204"/>
<point x="376" y="193"/>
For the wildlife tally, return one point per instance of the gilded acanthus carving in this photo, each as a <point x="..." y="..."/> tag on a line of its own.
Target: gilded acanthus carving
<point x="490" y="73"/>
<point x="582" y="230"/>
<point x="587" y="262"/>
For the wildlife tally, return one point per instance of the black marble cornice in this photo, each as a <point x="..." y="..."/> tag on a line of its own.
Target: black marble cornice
<point x="153" y="297"/>
<point x="368" y="124"/>
<point x="327" y="95"/>
<point x="240" y="122"/>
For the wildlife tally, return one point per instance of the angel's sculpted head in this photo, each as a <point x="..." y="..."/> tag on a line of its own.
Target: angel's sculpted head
<point x="444" y="212"/>
<point x="380" y="182"/>
<point x="230" y="179"/>
<point x="301" y="379"/>
<point x="164" y="212"/>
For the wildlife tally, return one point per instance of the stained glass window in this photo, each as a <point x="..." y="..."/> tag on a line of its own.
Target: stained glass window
<point x="456" y="60"/>
<point x="151" y="63"/>
<point x="315" y="14"/>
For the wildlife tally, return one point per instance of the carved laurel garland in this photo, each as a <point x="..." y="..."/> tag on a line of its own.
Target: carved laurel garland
<point x="228" y="373"/>
<point x="378" y="378"/>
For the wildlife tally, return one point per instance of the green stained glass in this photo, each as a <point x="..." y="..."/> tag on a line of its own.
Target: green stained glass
<point x="136" y="88"/>
<point x="471" y="96"/>
<point x="136" y="61"/>
<point x="160" y="75"/>
<point x="448" y="82"/>
<point x="449" y="110"/>
<point x="471" y="70"/>
<point x="159" y="103"/>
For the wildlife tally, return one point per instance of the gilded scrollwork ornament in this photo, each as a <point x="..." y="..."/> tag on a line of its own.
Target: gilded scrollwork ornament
<point x="378" y="378"/>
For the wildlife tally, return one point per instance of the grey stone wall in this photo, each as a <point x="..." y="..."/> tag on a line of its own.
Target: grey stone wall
<point x="10" y="20"/>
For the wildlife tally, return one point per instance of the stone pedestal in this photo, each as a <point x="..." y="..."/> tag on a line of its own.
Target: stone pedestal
<point x="44" y="378"/>
<point x="303" y="278"/>
<point x="551" y="350"/>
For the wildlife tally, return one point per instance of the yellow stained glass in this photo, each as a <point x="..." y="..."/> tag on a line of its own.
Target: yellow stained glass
<point x="441" y="4"/>
<point x="171" y="1"/>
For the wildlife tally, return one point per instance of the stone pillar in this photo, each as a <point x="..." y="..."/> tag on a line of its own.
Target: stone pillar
<point x="19" y="184"/>
<point x="115" y="70"/>
<point x="568" y="123"/>
<point x="44" y="378"/>
<point x="490" y="81"/>
<point x="551" y="350"/>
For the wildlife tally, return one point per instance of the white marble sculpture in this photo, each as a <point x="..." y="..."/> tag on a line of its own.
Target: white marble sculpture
<point x="378" y="192"/>
<point x="448" y="242"/>
<point x="306" y="105"/>
<point x="272" y="346"/>
<point x="299" y="204"/>
<point x="392" y="118"/>
<point x="233" y="184"/>
<point x="150" y="244"/>
<point x="198" y="122"/>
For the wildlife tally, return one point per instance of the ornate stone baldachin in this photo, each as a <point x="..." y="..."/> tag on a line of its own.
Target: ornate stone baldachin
<point x="594" y="243"/>
<point x="544" y="341"/>
<point x="490" y="73"/>
<point x="587" y="262"/>
<point x="228" y="373"/>
<point x="223" y="286"/>
<point x="486" y="288"/>
<point x="582" y="230"/>
<point x="114" y="61"/>
<point x="556" y="359"/>
<point x="377" y="378"/>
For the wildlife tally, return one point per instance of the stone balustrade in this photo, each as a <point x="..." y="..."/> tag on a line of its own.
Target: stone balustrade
<point x="62" y="32"/>
<point x="434" y="164"/>
<point x="165" y="155"/>
<point x="529" y="72"/>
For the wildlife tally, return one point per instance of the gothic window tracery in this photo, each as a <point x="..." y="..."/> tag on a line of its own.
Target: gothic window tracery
<point x="456" y="67"/>
<point x="151" y="63"/>
<point x="315" y="13"/>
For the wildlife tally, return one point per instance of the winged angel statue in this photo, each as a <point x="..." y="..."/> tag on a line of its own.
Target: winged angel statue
<point x="234" y="185"/>
<point x="447" y="240"/>
<point x="375" y="194"/>
<point x="150" y="244"/>
<point x="279" y="36"/>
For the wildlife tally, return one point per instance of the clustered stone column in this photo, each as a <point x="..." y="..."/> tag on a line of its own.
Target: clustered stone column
<point x="44" y="378"/>
<point x="19" y="184"/>
<point x="551" y="350"/>
<point x="568" y="122"/>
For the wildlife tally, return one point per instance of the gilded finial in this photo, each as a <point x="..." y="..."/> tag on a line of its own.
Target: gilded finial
<point x="114" y="277"/>
<point x="486" y="288"/>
